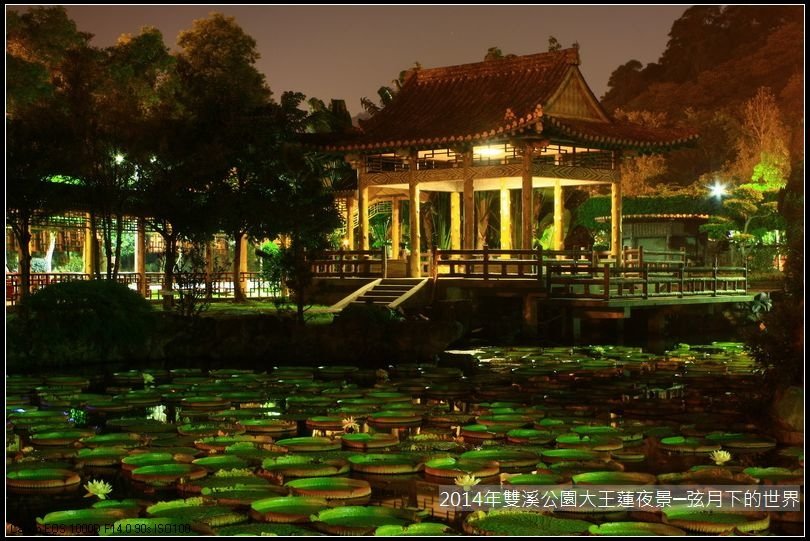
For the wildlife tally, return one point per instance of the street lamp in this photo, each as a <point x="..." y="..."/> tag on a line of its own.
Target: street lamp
<point x="718" y="190"/>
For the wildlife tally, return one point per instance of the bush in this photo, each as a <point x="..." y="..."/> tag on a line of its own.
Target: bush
<point x="38" y="264"/>
<point x="81" y="321"/>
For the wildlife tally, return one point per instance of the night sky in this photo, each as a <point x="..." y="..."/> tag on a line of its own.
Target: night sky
<point x="348" y="52"/>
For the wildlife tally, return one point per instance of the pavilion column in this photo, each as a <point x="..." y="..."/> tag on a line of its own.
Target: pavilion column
<point x="469" y="200"/>
<point x="350" y="203"/>
<point x="363" y="204"/>
<point x="243" y="259"/>
<point x="89" y="253"/>
<point x="395" y="234"/>
<point x="414" y="264"/>
<point x="558" y="215"/>
<point x="455" y="221"/>
<point x="506" y="218"/>
<point x="526" y="203"/>
<point x="616" y="221"/>
<point x="140" y="255"/>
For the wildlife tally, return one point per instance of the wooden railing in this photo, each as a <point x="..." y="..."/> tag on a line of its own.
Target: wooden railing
<point x="350" y="263"/>
<point x="610" y="282"/>
<point x="488" y="264"/>
<point x="219" y="284"/>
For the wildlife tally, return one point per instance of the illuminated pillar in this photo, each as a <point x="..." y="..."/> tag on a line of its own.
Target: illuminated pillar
<point x="414" y="265"/>
<point x="526" y="203"/>
<point x="469" y="201"/>
<point x="506" y="218"/>
<point x="616" y="221"/>
<point x="395" y="234"/>
<point x="455" y="221"/>
<point x="140" y="255"/>
<point x="558" y="215"/>
<point x="350" y="203"/>
<point x="89" y="246"/>
<point x="243" y="258"/>
<point x="364" y="228"/>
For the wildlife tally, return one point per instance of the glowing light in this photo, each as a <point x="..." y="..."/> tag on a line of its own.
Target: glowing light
<point x="717" y="190"/>
<point x="489" y="151"/>
<point x="345" y="243"/>
<point x="119" y="158"/>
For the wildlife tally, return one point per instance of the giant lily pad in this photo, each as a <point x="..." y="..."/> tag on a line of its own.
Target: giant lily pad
<point x="148" y="527"/>
<point x="309" y="444"/>
<point x="626" y="529"/>
<point x="704" y="521"/>
<point x="506" y="458"/>
<point x="357" y="520"/>
<point x="287" y="509"/>
<point x="194" y="510"/>
<point x="265" y="529"/>
<point x="688" y="445"/>
<point x="385" y="463"/>
<point x="368" y="441"/>
<point x="451" y="467"/>
<point x="418" y="529"/>
<point x="330" y="488"/>
<point x="221" y="462"/>
<point x="41" y="478"/>
<point x="305" y="466"/>
<point x="614" y="478"/>
<point x="521" y="523"/>
<point x="773" y="475"/>
<point x="82" y="521"/>
<point x="168" y="473"/>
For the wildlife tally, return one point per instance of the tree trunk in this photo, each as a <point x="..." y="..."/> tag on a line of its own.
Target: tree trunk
<point x="94" y="259"/>
<point x="238" y="290"/>
<point x="49" y="252"/>
<point x="170" y="253"/>
<point x="108" y="247"/>
<point x="119" y="230"/>
<point x="23" y="234"/>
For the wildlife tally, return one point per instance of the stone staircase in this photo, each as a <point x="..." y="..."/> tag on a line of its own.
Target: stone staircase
<point x="390" y="292"/>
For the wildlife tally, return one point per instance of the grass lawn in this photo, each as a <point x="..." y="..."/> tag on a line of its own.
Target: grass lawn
<point x="314" y="315"/>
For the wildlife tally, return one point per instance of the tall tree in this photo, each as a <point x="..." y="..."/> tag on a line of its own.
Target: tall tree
<point x="37" y="137"/>
<point x="225" y="94"/>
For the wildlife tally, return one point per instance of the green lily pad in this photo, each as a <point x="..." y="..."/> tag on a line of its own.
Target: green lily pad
<point x="330" y="487"/>
<point x="775" y="475"/>
<point x="308" y="444"/>
<point x="534" y="479"/>
<point x="715" y="522"/>
<point x="384" y="463"/>
<point x="634" y="528"/>
<point x="356" y="520"/>
<point x="148" y="527"/>
<point x="614" y="478"/>
<point x="522" y="523"/>
<point x="86" y="521"/>
<point x="420" y="529"/>
<point x="368" y="441"/>
<point x="221" y="462"/>
<point x="287" y="508"/>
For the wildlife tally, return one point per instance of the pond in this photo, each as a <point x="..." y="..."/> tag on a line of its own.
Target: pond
<point x="299" y="450"/>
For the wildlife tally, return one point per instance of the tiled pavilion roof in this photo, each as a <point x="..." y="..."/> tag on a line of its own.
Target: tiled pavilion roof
<point x="490" y="100"/>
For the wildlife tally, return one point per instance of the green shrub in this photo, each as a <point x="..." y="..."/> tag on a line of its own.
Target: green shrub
<point x="82" y="321"/>
<point x="38" y="264"/>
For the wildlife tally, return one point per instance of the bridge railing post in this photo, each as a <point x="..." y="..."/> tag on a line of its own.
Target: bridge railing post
<point x="606" y="281"/>
<point x="714" y="278"/>
<point x="340" y="263"/>
<point x="486" y="262"/>
<point x="384" y="263"/>
<point x="539" y="256"/>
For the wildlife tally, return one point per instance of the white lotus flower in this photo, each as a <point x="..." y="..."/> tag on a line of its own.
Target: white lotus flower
<point x="98" y="488"/>
<point x="467" y="481"/>
<point x="720" y="457"/>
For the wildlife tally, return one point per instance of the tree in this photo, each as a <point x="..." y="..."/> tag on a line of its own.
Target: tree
<point x="306" y="214"/>
<point x="553" y="44"/>
<point x="386" y="93"/>
<point x="642" y="172"/>
<point x="762" y="145"/>
<point x="743" y="211"/>
<point x="37" y="136"/>
<point x="228" y="98"/>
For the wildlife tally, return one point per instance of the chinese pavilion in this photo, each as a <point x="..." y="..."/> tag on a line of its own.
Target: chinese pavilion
<point x="514" y="123"/>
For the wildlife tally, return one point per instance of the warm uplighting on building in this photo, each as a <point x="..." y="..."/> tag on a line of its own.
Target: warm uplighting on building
<point x="489" y="151"/>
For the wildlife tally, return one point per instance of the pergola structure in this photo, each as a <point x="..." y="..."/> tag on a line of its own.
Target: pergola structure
<point x="520" y="122"/>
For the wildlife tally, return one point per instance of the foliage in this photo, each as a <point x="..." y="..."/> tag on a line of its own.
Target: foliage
<point x="193" y="294"/>
<point x="744" y="217"/>
<point x="597" y="207"/>
<point x="38" y="264"/>
<point x="271" y="264"/>
<point x="80" y="321"/>
<point x="380" y="229"/>
<point x="777" y="343"/>
<point x="710" y="47"/>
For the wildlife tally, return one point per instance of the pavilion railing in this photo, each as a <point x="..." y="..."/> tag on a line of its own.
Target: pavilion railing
<point x="572" y="281"/>
<point x="219" y="285"/>
<point x="350" y="263"/>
